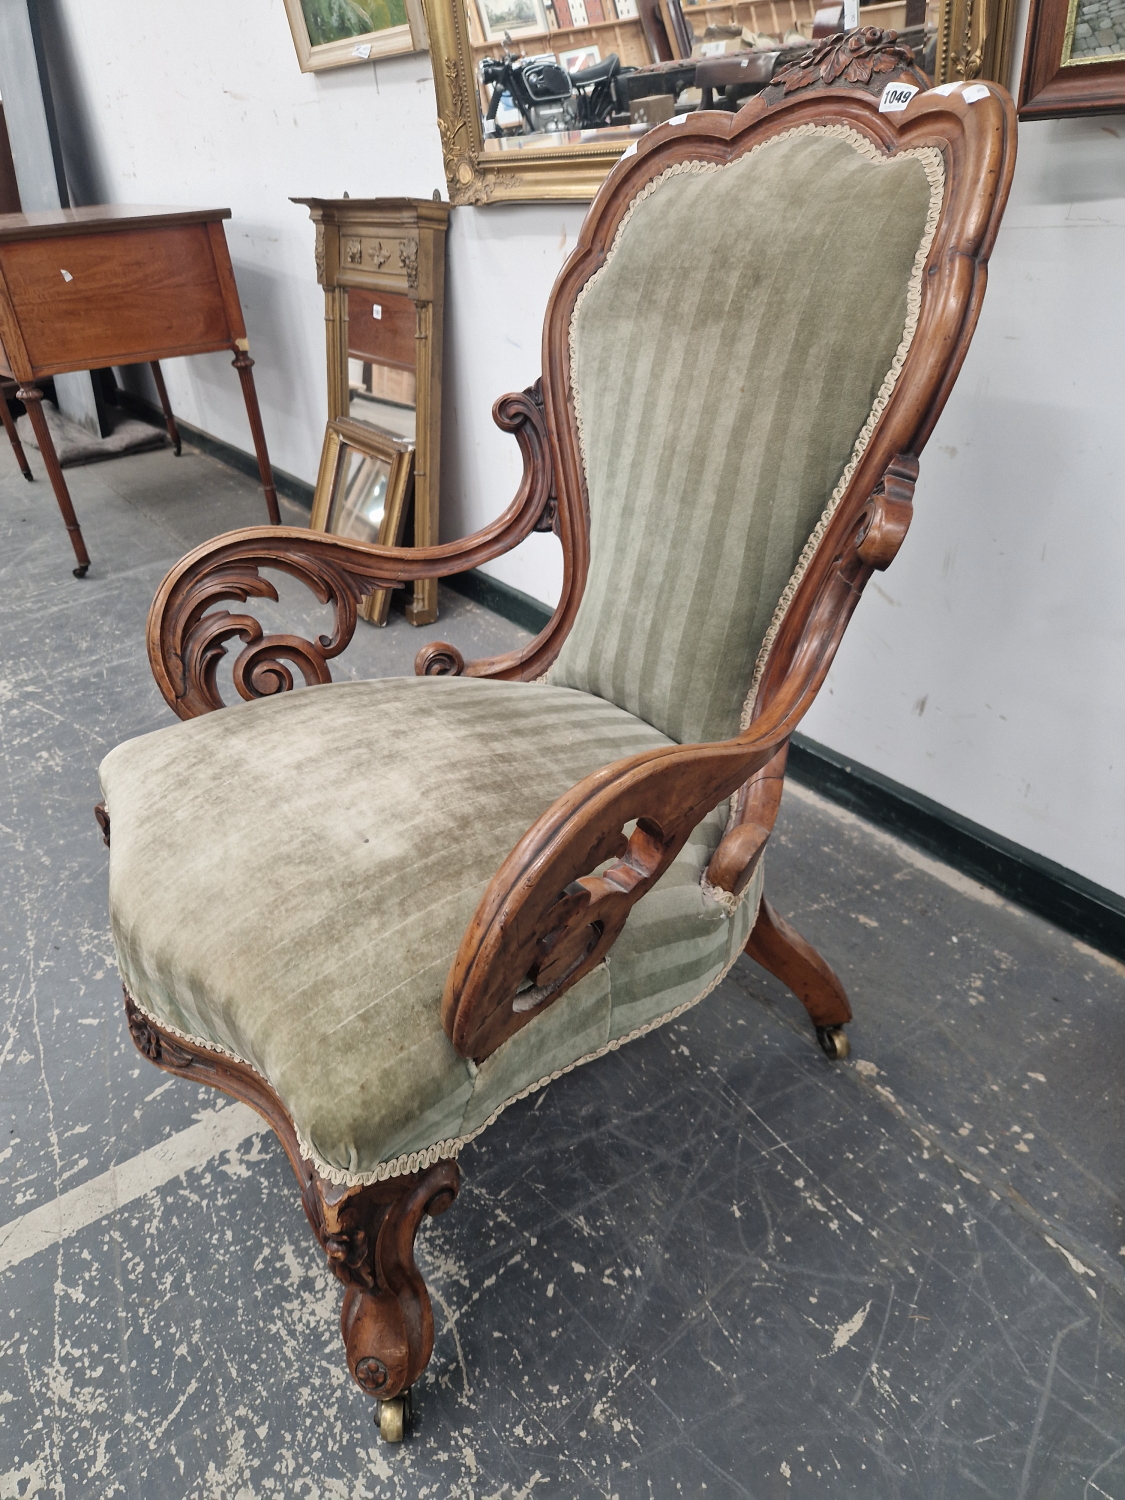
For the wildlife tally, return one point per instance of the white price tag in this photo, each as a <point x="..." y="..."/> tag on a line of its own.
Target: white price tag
<point x="629" y="151"/>
<point x="977" y="91"/>
<point x="363" y="50"/>
<point x="895" y="97"/>
<point x="851" y="14"/>
<point x="946" y="88"/>
<point x="376" y="310"/>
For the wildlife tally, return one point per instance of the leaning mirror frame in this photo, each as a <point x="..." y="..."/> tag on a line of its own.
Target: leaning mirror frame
<point x="974" y="40"/>
<point x="367" y="500"/>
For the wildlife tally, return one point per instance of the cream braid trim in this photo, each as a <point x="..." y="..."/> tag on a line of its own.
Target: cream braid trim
<point x="417" y="1161"/>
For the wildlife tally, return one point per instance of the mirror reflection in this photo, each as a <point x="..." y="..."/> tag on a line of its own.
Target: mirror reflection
<point x="359" y="495"/>
<point x="382" y="372"/>
<point x="558" y="73"/>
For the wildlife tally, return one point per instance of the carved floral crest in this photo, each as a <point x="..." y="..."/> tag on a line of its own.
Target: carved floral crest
<point x="856" y="57"/>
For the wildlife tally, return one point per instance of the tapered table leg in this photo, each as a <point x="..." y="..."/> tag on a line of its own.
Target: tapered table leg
<point x="14" y="438"/>
<point x="245" y="367"/>
<point x="166" y="407"/>
<point x="32" y="398"/>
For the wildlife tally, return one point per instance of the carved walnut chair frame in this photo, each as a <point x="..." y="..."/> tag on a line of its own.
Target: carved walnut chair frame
<point x="546" y="916"/>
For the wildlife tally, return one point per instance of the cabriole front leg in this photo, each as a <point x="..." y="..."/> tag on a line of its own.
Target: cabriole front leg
<point x="386" y="1321"/>
<point x="367" y="1233"/>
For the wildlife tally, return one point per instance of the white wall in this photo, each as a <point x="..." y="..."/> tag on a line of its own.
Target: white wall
<point x="984" y="670"/>
<point x="203" y="104"/>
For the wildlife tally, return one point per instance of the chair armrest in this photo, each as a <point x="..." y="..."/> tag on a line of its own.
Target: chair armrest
<point x="186" y="633"/>
<point x="547" y="917"/>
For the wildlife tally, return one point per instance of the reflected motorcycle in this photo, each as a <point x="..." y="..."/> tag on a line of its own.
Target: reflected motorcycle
<point x="544" y="96"/>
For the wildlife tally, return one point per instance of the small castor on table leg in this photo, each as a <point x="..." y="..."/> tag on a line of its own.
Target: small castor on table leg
<point x="394" y="1417"/>
<point x="834" y="1041"/>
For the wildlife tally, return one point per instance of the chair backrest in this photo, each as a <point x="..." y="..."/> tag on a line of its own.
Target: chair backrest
<point x="730" y="357"/>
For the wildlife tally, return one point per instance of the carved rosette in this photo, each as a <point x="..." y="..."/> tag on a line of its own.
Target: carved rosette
<point x="154" y="1043"/>
<point x="863" y="58"/>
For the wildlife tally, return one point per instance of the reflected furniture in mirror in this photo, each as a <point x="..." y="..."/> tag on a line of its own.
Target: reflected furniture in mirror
<point x="381" y="262"/>
<point x="362" y="491"/>
<point x="967" y="39"/>
<point x="399" y="906"/>
<point x="87" y="288"/>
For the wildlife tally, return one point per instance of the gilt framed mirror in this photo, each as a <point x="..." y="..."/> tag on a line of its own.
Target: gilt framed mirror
<point x="538" y="98"/>
<point x="363" y="491"/>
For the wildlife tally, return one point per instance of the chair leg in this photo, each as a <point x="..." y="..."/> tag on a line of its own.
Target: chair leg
<point x="386" y="1321"/>
<point x="32" y="398"/>
<point x="14" y="437"/>
<point x="367" y="1233"/>
<point x="782" y="950"/>
<point x="166" y="406"/>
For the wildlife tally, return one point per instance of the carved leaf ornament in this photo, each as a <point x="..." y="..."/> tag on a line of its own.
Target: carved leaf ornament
<point x="856" y="57"/>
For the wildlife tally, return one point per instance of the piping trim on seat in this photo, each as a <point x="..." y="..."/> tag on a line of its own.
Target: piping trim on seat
<point x="417" y="1161"/>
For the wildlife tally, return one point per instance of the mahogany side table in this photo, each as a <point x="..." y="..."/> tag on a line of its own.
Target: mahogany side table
<point x="86" y="288"/>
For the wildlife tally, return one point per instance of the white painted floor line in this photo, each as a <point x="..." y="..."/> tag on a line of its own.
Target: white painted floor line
<point x="42" y="1227"/>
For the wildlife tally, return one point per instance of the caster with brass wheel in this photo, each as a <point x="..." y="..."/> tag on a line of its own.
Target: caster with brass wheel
<point x="394" y="1417"/>
<point x="834" y="1041"/>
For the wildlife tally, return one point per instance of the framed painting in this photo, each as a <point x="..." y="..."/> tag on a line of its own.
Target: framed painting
<point x="578" y="58"/>
<point x="1074" y="59"/>
<point x="518" y="18"/>
<point x="337" y="33"/>
<point x="363" y="491"/>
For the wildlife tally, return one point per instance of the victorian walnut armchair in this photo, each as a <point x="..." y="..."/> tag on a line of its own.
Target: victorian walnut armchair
<point x="380" y="912"/>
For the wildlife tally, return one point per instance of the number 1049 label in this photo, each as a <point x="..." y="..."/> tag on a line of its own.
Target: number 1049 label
<point x="896" y="96"/>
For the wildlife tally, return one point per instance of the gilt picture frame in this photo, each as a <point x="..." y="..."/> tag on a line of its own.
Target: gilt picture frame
<point x="363" y="491"/>
<point x="343" y="33"/>
<point x="1074" y="61"/>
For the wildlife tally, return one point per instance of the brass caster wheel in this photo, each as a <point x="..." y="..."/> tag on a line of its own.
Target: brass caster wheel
<point x="834" y="1041"/>
<point x="393" y="1418"/>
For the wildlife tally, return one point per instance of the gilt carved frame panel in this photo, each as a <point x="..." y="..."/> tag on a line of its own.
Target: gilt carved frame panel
<point x="975" y="39"/>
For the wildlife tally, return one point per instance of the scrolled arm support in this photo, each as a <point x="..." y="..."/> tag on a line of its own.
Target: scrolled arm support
<point x="189" y="624"/>
<point x="552" y="913"/>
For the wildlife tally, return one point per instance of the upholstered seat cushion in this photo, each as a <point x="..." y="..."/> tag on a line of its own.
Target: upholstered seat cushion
<point x="290" y="879"/>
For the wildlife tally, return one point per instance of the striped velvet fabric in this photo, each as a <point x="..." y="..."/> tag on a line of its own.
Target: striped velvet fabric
<point x="724" y="361"/>
<point x="290" y="879"/>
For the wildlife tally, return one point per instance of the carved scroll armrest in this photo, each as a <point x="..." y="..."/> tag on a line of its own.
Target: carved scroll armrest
<point x="873" y="542"/>
<point x="187" y="629"/>
<point x="547" y="917"/>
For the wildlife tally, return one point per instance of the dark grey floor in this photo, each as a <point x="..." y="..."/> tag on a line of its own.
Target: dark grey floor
<point x="710" y="1263"/>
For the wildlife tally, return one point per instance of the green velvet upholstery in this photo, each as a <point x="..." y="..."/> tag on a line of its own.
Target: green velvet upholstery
<point x="290" y="879"/>
<point x="724" y="360"/>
